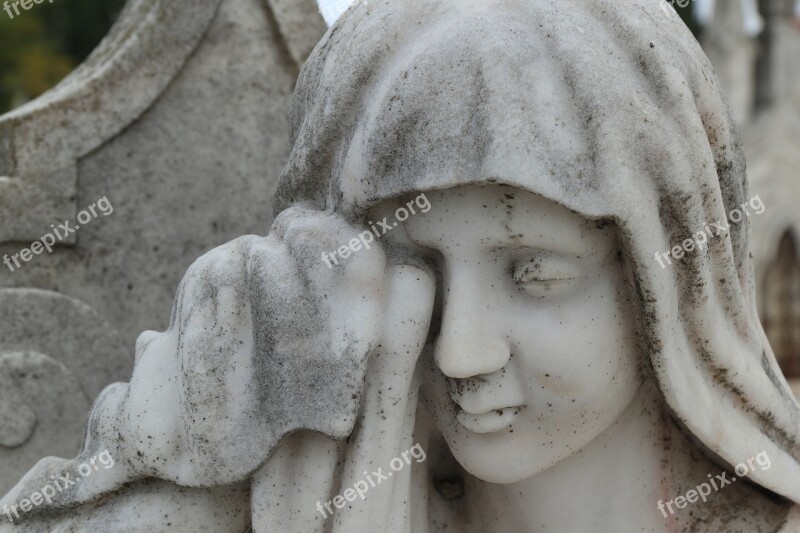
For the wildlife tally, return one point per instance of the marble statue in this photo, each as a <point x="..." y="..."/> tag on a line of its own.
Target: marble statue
<point x="494" y="347"/>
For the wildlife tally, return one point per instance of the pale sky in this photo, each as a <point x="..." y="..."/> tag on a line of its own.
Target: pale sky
<point x="331" y="9"/>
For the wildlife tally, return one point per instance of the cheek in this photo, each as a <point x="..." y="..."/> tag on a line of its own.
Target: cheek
<point x="437" y="402"/>
<point x="582" y="349"/>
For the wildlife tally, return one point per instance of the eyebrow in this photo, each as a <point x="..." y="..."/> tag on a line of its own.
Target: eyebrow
<point x="564" y="252"/>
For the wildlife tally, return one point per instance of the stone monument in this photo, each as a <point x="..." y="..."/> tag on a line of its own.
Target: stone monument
<point x="456" y="321"/>
<point x="180" y="121"/>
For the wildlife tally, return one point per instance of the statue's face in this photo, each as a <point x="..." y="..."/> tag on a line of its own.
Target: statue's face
<point x="533" y="352"/>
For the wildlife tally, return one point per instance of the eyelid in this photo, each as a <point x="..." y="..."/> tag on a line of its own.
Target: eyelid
<point x="539" y="275"/>
<point x="544" y="269"/>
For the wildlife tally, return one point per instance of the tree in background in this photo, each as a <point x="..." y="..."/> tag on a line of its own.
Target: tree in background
<point x="41" y="46"/>
<point x="687" y="14"/>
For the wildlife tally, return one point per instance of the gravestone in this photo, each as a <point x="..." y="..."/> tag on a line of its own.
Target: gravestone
<point x="179" y="119"/>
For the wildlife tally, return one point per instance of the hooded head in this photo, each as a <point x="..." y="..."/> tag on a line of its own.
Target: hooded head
<point x="610" y="109"/>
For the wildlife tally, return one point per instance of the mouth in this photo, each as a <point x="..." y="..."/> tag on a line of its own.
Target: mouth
<point x="490" y="422"/>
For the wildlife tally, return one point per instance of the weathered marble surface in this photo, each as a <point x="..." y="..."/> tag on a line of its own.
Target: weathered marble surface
<point x="56" y="356"/>
<point x="519" y="330"/>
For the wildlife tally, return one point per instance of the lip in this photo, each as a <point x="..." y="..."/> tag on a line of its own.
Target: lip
<point x="491" y="422"/>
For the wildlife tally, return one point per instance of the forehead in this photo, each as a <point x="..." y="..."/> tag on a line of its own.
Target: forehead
<point x="494" y="216"/>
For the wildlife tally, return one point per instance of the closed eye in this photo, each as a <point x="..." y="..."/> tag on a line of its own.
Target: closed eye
<point x="539" y="276"/>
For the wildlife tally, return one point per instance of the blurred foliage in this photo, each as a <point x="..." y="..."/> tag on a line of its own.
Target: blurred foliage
<point x="40" y="46"/>
<point x="687" y="14"/>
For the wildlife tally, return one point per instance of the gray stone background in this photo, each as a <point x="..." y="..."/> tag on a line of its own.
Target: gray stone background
<point x="180" y="119"/>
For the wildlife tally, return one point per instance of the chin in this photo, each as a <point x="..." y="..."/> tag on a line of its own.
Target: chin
<point x="498" y="458"/>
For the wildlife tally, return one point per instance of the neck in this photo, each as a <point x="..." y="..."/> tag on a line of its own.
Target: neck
<point x="615" y="477"/>
<point x="616" y="483"/>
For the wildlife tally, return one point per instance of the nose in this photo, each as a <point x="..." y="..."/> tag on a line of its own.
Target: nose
<point x="467" y="346"/>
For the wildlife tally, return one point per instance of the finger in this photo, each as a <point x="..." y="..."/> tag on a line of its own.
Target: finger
<point x="407" y="318"/>
<point x="389" y="401"/>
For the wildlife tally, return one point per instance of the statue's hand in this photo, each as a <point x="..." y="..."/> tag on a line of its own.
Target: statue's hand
<point x="388" y="405"/>
<point x="269" y="338"/>
<point x="266" y="338"/>
<point x="385" y="306"/>
<point x="345" y="276"/>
